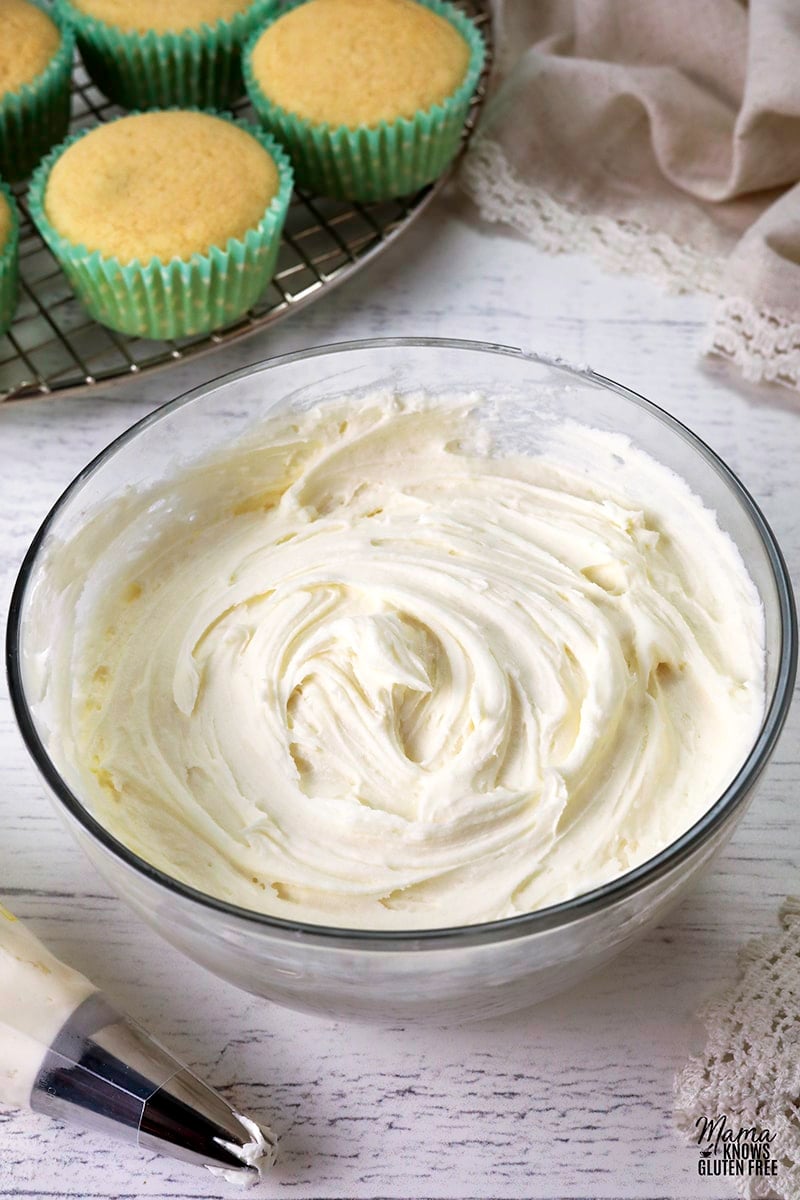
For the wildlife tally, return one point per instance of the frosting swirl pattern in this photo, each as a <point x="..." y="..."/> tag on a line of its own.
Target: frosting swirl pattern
<point x="364" y="671"/>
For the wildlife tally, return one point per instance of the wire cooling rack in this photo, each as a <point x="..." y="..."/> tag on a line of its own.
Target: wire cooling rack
<point x="54" y="348"/>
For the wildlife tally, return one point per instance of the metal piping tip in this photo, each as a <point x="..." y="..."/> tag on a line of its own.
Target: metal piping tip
<point x="186" y="1116"/>
<point x="105" y="1072"/>
<point x="257" y="1154"/>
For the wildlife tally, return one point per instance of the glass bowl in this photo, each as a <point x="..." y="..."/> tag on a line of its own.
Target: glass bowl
<point x="440" y="974"/>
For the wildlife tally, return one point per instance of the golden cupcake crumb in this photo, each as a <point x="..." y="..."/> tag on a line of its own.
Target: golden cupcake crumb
<point x="5" y="221"/>
<point x="162" y="16"/>
<point x="28" y="41"/>
<point x="160" y="185"/>
<point x="359" y="62"/>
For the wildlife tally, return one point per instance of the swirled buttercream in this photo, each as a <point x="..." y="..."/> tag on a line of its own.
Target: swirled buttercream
<point x="364" y="670"/>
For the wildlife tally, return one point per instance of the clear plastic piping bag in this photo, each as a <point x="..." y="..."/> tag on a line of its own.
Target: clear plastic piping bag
<point x="66" y="1051"/>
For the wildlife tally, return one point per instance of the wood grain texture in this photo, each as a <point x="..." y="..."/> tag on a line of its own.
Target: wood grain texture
<point x="571" y="1099"/>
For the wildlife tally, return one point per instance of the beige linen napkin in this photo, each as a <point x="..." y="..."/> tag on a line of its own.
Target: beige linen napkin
<point x="665" y="138"/>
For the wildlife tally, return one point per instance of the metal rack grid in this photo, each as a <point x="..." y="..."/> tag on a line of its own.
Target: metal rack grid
<point x="54" y="348"/>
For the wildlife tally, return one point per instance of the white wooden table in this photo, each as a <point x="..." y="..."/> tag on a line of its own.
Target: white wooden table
<point x="571" y="1099"/>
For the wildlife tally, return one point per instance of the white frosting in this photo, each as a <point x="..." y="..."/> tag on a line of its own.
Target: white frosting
<point x="358" y="670"/>
<point x="260" y="1153"/>
<point x="38" y="994"/>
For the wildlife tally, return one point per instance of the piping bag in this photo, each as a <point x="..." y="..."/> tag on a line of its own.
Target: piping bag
<point x="65" y="1050"/>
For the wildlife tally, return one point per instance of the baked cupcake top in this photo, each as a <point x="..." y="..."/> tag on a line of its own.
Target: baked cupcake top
<point x="6" y="222"/>
<point x="162" y="16"/>
<point x="28" y="41"/>
<point x="160" y="185"/>
<point x="359" y="62"/>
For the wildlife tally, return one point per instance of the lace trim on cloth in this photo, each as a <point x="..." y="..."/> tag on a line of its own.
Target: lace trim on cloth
<point x="764" y="347"/>
<point x="557" y="227"/>
<point x="749" y="1070"/>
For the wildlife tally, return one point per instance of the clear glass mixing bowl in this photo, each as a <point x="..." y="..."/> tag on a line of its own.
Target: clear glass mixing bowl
<point x="442" y="974"/>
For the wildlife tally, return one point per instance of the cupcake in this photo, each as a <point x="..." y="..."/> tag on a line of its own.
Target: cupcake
<point x="158" y="53"/>
<point x="35" y="67"/>
<point x="166" y="223"/>
<point x="9" y="253"/>
<point x="368" y="96"/>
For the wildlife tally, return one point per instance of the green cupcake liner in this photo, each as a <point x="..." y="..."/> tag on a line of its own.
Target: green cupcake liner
<point x="9" y="264"/>
<point x="36" y="116"/>
<point x="381" y="161"/>
<point x="184" y="296"/>
<point x="194" y="68"/>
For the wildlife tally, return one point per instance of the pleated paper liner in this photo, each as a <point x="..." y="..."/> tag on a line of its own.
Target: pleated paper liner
<point x="392" y="158"/>
<point x="9" y="263"/>
<point x="184" y="296"/>
<point x="192" y="68"/>
<point x="36" y="116"/>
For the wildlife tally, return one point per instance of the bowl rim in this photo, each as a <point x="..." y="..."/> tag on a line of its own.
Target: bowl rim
<point x="523" y="924"/>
